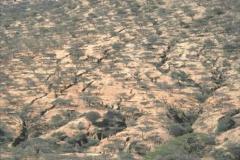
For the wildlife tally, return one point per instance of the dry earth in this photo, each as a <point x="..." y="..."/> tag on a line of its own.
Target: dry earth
<point x="114" y="79"/>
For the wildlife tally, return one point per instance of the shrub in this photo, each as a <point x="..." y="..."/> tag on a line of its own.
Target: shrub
<point x="93" y="116"/>
<point x="189" y="145"/>
<point x="5" y="136"/>
<point x="125" y="156"/>
<point x="182" y="121"/>
<point x="209" y="44"/>
<point x="111" y="123"/>
<point x="152" y="39"/>
<point x="62" y="119"/>
<point x="32" y="147"/>
<point x="222" y="154"/>
<point x="78" y="143"/>
<point x="202" y="97"/>
<point x="225" y="123"/>
<point x="178" y="156"/>
<point x="117" y="46"/>
<point x="180" y="116"/>
<point x="62" y="102"/>
<point x="234" y="149"/>
<point x="80" y="139"/>
<point x="177" y="129"/>
<point x="140" y="149"/>
<point x="59" y="136"/>
<point x="179" y="75"/>
<point x="57" y="121"/>
<point x="230" y="48"/>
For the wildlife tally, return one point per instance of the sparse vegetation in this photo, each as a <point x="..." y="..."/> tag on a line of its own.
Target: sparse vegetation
<point x="232" y="152"/>
<point x="5" y="136"/>
<point x="190" y="146"/>
<point x="179" y="76"/>
<point x="62" y="102"/>
<point x="62" y="119"/>
<point x="182" y="122"/>
<point x="226" y="122"/>
<point x="105" y="79"/>
<point x="177" y="129"/>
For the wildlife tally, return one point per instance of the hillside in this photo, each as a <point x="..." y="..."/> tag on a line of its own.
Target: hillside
<point x="120" y="79"/>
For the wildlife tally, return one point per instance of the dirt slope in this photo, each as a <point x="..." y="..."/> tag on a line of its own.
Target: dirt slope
<point x="114" y="79"/>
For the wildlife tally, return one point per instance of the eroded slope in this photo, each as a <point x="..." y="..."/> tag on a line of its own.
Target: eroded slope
<point x="114" y="79"/>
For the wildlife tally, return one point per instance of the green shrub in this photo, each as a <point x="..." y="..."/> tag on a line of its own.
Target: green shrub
<point x="117" y="46"/>
<point x="125" y="156"/>
<point x="35" y="146"/>
<point x="141" y="149"/>
<point x="178" y="156"/>
<point x="182" y="117"/>
<point x="182" y="121"/>
<point x="78" y="142"/>
<point x="153" y="39"/>
<point x="232" y="152"/>
<point x="62" y="119"/>
<point x="177" y="129"/>
<point x="230" y="48"/>
<point x="179" y="75"/>
<point x="93" y="116"/>
<point x="204" y="93"/>
<point x="188" y="145"/>
<point x="209" y="44"/>
<point x="62" y="102"/>
<point x="234" y="149"/>
<point x="5" y="136"/>
<point x="57" y="121"/>
<point x="225" y="123"/>
<point x="188" y="11"/>
<point x="60" y="136"/>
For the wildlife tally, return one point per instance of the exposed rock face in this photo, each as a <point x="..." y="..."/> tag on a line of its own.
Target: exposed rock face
<point x="114" y="79"/>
